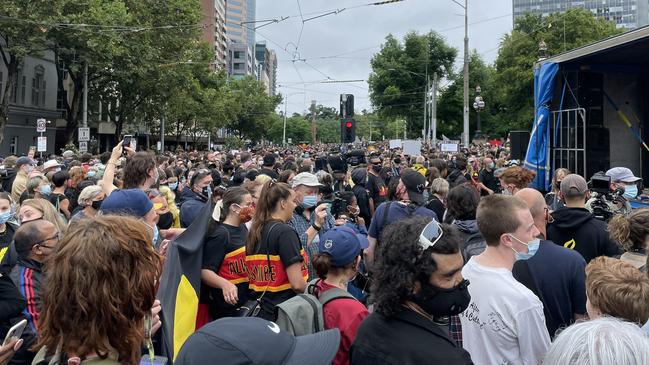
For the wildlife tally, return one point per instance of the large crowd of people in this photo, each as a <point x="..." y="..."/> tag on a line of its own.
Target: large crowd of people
<point x="435" y="257"/>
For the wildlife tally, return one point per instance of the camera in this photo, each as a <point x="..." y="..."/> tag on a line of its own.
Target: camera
<point x="603" y="202"/>
<point x="600" y="183"/>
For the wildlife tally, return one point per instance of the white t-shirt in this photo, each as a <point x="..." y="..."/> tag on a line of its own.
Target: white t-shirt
<point x="504" y="323"/>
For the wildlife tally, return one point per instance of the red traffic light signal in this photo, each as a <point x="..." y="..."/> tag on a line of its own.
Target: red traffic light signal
<point x="348" y="124"/>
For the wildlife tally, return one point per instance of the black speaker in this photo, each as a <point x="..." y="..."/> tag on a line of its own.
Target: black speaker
<point x="598" y="150"/>
<point x="518" y="144"/>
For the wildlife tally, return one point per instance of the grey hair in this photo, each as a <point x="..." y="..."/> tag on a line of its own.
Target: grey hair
<point x="88" y="194"/>
<point x="439" y="186"/>
<point x="601" y="341"/>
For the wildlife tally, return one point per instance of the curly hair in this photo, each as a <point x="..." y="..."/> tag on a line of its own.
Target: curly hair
<point x="462" y="202"/>
<point x="630" y="231"/>
<point x="400" y="261"/>
<point x="518" y="176"/>
<point x="137" y="168"/>
<point x="101" y="284"/>
<point x="77" y="175"/>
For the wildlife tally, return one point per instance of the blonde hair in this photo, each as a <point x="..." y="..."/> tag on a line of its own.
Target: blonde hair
<point x="618" y="289"/>
<point x="261" y="179"/>
<point x="50" y="213"/>
<point x="88" y="194"/>
<point x="439" y="186"/>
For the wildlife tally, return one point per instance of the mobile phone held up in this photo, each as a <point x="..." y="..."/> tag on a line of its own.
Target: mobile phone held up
<point x="15" y="332"/>
<point x="129" y="141"/>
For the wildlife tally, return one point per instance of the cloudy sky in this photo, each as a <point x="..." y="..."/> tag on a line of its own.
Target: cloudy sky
<point x="353" y="35"/>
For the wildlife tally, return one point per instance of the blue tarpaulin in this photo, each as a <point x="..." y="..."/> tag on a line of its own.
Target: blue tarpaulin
<point x="537" y="157"/>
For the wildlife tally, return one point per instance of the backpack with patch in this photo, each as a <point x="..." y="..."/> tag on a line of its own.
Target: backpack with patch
<point x="302" y="314"/>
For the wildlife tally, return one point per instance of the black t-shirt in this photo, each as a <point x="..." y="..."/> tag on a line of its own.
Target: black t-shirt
<point x="6" y="237"/>
<point x="270" y="172"/>
<point x="363" y="201"/>
<point x="56" y="199"/>
<point x="437" y="207"/>
<point x="377" y="189"/>
<point x="284" y="249"/>
<point x="489" y="180"/>
<point x="224" y="253"/>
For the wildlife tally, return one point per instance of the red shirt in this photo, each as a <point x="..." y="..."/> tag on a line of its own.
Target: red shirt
<point x="346" y="314"/>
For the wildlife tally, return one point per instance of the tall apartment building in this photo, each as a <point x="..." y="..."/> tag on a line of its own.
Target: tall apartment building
<point x="267" y="68"/>
<point x="239" y="30"/>
<point x="214" y="30"/>
<point x="628" y="14"/>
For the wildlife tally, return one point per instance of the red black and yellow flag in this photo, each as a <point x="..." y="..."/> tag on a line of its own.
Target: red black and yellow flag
<point x="181" y="282"/>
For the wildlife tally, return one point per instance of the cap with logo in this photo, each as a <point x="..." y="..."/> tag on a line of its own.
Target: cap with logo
<point x="573" y="185"/>
<point x="415" y="183"/>
<point x="306" y="179"/>
<point x="622" y="174"/>
<point x="127" y="201"/>
<point x="343" y="244"/>
<point x="251" y="340"/>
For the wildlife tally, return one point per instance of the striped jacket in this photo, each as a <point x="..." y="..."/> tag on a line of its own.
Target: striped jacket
<point x="28" y="277"/>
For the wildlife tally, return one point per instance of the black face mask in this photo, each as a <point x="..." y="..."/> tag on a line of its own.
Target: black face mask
<point x="376" y="168"/>
<point x="165" y="220"/>
<point x="96" y="204"/>
<point x="440" y="302"/>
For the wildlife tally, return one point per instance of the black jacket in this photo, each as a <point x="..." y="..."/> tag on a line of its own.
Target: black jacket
<point x="455" y="178"/>
<point x="404" y="339"/>
<point x="190" y="206"/>
<point x="7" y="180"/>
<point x="579" y="230"/>
<point x="11" y="304"/>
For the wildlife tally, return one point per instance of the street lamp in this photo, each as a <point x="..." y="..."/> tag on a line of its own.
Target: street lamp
<point x="478" y="105"/>
<point x="285" y="105"/>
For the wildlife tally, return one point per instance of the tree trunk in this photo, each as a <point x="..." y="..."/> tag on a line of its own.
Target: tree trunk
<point x="12" y="75"/>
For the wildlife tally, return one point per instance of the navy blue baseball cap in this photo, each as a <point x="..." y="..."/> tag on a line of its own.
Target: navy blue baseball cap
<point x="343" y="244"/>
<point x="127" y="201"/>
<point x="255" y="341"/>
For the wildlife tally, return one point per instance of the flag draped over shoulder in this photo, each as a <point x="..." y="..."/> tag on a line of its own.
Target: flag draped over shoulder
<point x="181" y="282"/>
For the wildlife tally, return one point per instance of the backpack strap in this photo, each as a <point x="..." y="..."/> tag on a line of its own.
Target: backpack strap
<point x="333" y="294"/>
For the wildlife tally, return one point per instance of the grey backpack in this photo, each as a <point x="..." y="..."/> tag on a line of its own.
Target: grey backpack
<point x="302" y="314"/>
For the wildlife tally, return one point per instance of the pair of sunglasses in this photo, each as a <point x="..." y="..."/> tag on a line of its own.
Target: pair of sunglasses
<point x="430" y="235"/>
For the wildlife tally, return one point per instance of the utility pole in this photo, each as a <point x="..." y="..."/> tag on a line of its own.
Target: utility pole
<point x="466" y="74"/>
<point x="426" y="105"/>
<point x="370" y="130"/>
<point x="162" y="132"/>
<point x="85" y="96"/>
<point x="313" y="128"/>
<point x="433" y="114"/>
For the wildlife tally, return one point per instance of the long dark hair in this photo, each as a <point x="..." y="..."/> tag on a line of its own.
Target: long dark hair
<point x="271" y="194"/>
<point x="233" y="195"/>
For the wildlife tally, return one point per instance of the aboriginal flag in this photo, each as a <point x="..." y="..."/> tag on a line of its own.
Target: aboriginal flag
<point x="181" y="282"/>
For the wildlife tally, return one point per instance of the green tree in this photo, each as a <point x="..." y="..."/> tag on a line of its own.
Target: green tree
<point x="519" y="51"/>
<point x="398" y="77"/>
<point x="252" y="108"/>
<point x="23" y="32"/>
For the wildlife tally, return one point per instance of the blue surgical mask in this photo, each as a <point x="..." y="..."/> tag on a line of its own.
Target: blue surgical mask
<point x="532" y="247"/>
<point x="426" y="196"/>
<point x="4" y="217"/>
<point x="630" y="192"/>
<point x="46" y="190"/>
<point x="173" y="186"/>
<point x="309" y="201"/>
<point x="156" y="233"/>
<point x="91" y="173"/>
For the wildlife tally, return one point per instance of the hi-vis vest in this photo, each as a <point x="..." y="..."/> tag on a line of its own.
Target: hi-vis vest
<point x="275" y="277"/>
<point x="233" y="267"/>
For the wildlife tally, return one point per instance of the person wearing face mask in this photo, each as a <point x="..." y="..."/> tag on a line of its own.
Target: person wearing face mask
<point x="7" y="227"/>
<point x="359" y="178"/>
<point x="223" y="273"/>
<point x="25" y="166"/>
<point x="136" y="203"/>
<point x="174" y="212"/>
<point x="309" y="220"/>
<point x="504" y="324"/>
<point x="35" y="242"/>
<point x="490" y="183"/>
<point x="37" y="187"/>
<point x="375" y="184"/>
<point x="336" y="265"/>
<point x="273" y="246"/>
<point x="195" y="197"/>
<point x="410" y="201"/>
<point x="623" y="178"/>
<point x="58" y="197"/>
<point x="555" y="274"/>
<point x="90" y="199"/>
<point x="416" y="286"/>
<point x="576" y="228"/>
<point x="514" y="179"/>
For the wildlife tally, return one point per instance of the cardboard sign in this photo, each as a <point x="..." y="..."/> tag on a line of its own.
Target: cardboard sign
<point x="449" y="147"/>
<point x="412" y="147"/>
<point x="395" y="143"/>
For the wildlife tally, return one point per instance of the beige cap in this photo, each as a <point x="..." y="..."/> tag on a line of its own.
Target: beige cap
<point x="573" y="185"/>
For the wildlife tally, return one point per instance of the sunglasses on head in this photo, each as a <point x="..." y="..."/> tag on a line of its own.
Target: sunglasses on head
<point x="430" y="235"/>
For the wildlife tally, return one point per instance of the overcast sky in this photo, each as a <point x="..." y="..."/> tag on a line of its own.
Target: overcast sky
<point x="355" y="34"/>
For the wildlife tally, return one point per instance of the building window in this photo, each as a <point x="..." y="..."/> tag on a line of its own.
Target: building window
<point x="23" y="86"/>
<point x="237" y="54"/>
<point x="13" y="146"/>
<point x="2" y="90"/>
<point x="237" y="66"/>
<point x="38" y="86"/>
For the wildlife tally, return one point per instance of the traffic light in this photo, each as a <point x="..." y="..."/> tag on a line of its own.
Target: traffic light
<point x="346" y="105"/>
<point x="348" y="130"/>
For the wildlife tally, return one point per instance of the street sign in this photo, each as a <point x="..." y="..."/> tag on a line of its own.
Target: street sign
<point x="84" y="134"/>
<point x="83" y="146"/>
<point x="41" y="125"/>
<point x="41" y="144"/>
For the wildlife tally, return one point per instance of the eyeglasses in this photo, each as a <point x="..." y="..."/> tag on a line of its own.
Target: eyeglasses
<point x="430" y="235"/>
<point x="40" y="243"/>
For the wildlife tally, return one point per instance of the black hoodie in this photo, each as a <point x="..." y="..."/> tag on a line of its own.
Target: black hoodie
<point x="578" y="229"/>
